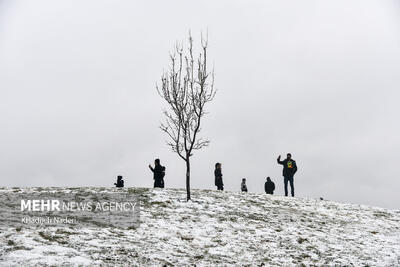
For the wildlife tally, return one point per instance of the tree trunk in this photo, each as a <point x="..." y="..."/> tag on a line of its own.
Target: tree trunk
<point x="187" y="178"/>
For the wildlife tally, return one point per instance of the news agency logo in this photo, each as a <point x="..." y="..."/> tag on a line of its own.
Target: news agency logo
<point x="77" y="207"/>
<point x="42" y="205"/>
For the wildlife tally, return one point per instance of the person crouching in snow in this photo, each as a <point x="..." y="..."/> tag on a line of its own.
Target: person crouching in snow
<point x="218" y="177"/>
<point x="243" y="185"/>
<point x="120" y="182"/>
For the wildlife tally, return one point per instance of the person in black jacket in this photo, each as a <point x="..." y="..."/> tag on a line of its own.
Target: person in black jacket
<point x="289" y="169"/>
<point x="120" y="182"/>
<point x="218" y="177"/>
<point x="269" y="186"/>
<point x="158" y="174"/>
<point x="243" y="186"/>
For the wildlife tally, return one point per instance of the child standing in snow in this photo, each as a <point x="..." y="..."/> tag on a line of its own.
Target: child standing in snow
<point x="243" y="185"/>
<point x="269" y="186"/>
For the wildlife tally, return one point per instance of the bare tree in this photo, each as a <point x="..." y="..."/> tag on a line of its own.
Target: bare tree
<point x="187" y="86"/>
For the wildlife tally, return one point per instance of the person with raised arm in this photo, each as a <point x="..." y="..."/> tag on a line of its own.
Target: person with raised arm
<point x="289" y="169"/>
<point x="158" y="174"/>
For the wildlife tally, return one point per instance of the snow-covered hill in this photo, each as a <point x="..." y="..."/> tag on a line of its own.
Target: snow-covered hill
<point x="216" y="228"/>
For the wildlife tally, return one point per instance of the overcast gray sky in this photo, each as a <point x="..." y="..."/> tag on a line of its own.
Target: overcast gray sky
<point x="319" y="79"/>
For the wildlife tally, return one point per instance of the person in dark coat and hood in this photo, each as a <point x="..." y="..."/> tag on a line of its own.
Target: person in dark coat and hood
<point x="120" y="182"/>
<point x="158" y="174"/>
<point x="243" y="186"/>
<point x="289" y="169"/>
<point x="218" y="177"/>
<point x="269" y="186"/>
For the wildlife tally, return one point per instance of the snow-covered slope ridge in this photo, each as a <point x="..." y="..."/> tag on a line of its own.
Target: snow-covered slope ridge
<point x="216" y="228"/>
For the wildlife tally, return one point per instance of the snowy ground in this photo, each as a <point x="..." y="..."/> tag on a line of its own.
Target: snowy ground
<point x="216" y="228"/>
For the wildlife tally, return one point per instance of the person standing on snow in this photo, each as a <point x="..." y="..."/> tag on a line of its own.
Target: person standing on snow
<point x="218" y="176"/>
<point x="159" y="173"/>
<point x="289" y="169"/>
<point x="269" y="186"/>
<point x="243" y="186"/>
